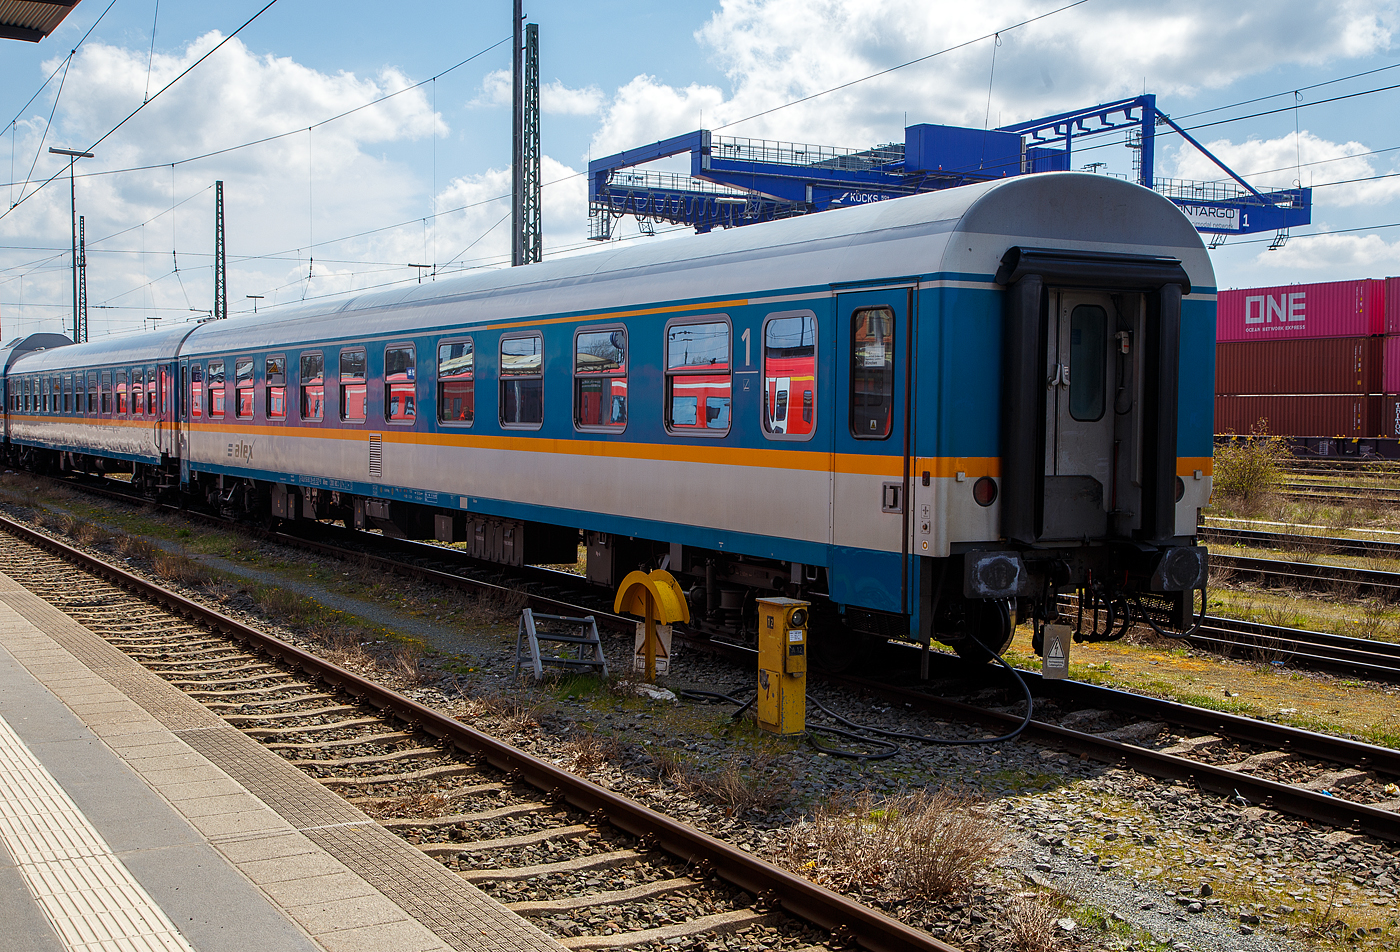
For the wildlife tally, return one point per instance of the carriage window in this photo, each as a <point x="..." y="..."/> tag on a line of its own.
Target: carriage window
<point x="1088" y="356"/>
<point x="44" y="386"/>
<point x="217" y="390"/>
<point x="196" y="408"/>
<point x="600" y="378"/>
<point x="354" y="392"/>
<point x="106" y="392"/>
<point x="138" y="392"/>
<point x="456" y="382"/>
<point x="522" y="380"/>
<point x="400" y="384"/>
<point x="313" y="386"/>
<point x="68" y="394"/>
<point x="276" y="370"/>
<point x="243" y="387"/>
<point x="57" y="394"/>
<point x="872" y="373"/>
<point x="92" y="392"/>
<point x="698" y="382"/>
<point x="122" y="405"/>
<point x="789" y="375"/>
<point x="151" y="390"/>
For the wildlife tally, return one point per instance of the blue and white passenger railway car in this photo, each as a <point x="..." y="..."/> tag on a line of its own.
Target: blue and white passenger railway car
<point x="922" y="414"/>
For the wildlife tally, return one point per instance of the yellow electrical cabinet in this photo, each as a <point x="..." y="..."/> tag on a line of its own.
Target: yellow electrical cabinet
<point x="782" y="665"/>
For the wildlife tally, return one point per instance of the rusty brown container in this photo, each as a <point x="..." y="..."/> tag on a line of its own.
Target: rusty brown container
<point x="1336" y="365"/>
<point x="1390" y="416"/>
<point x="1324" y="415"/>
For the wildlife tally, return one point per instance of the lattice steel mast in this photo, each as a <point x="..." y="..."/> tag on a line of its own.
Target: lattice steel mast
<point x="525" y="246"/>
<point x="80" y="333"/>
<point x="220" y="262"/>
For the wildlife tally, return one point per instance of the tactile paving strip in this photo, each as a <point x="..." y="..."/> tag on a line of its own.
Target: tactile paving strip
<point x="84" y="889"/>
<point x="456" y="911"/>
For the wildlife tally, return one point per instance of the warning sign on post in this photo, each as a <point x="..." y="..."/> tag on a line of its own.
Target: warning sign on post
<point x="1055" y="663"/>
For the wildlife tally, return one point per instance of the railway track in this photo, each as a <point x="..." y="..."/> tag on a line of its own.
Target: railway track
<point x="1334" y="781"/>
<point x="1299" y="647"/>
<point x="1326" y="545"/>
<point x="494" y="813"/>
<point x="1339" y="493"/>
<point x="1133" y="718"/>
<point x="1340" y="579"/>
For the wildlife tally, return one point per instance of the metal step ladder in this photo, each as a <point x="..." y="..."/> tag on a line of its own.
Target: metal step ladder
<point x="582" y="634"/>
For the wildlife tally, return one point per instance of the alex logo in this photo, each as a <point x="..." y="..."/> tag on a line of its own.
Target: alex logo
<point x="1267" y="309"/>
<point x="242" y="451"/>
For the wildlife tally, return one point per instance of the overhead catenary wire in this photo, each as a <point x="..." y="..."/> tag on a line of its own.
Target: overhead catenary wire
<point x="297" y="131"/>
<point x="218" y="46"/>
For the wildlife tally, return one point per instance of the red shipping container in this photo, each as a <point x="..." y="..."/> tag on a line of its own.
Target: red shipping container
<point x="1341" y="365"/>
<point x="1391" y="377"/>
<point x="1334" y="309"/>
<point x="1392" y="305"/>
<point x="1390" y="416"/>
<point x="1326" y="415"/>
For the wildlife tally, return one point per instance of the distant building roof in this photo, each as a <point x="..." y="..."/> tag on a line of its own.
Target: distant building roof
<point x="32" y="20"/>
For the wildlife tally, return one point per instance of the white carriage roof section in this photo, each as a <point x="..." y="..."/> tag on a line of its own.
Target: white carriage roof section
<point x="901" y="238"/>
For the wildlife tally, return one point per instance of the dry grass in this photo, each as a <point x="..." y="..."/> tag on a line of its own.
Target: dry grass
<point x="406" y="662"/>
<point x="181" y="569"/>
<point x="135" y="547"/>
<point x="503" y="603"/>
<point x="585" y="753"/>
<point x="1032" y="925"/>
<point x="510" y="715"/>
<point x="342" y="646"/>
<point x="738" y="789"/>
<point x="917" y="845"/>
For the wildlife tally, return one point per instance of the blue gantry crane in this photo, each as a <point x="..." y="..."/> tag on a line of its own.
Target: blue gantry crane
<point x="735" y="181"/>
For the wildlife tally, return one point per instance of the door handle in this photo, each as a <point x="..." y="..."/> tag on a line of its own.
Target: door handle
<point x="1060" y="378"/>
<point x="892" y="497"/>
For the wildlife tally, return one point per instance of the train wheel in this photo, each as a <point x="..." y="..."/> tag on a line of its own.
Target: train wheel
<point x="989" y="623"/>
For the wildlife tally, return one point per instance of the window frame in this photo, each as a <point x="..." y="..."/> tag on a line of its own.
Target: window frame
<point x="268" y="386"/>
<point x="792" y="405"/>
<point x="411" y="419"/>
<point x="578" y="378"/>
<point x="67" y="393"/>
<point x="137" y="393"/>
<point x="667" y="376"/>
<point x="301" y="386"/>
<point x="121" y="405"/>
<point x="501" y="379"/>
<point x="222" y="389"/>
<point x="340" y="383"/>
<point x="105" y="399"/>
<point x="893" y="372"/>
<point x="247" y="360"/>
<point x="438" y="380"/>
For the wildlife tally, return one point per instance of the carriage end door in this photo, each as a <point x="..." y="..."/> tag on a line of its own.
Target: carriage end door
<point x="870" y="484"/>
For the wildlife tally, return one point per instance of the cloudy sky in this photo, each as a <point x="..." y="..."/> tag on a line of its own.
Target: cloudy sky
<point x="332" y="200"/>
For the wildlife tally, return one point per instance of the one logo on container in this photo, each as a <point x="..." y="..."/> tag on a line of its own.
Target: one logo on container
<point x="1268" y="311"/>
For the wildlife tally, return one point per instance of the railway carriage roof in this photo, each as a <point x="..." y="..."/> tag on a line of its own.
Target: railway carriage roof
<point x="901" y="238"/>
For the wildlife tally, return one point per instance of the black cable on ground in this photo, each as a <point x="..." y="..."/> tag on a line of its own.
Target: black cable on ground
<point x="902" y="735"/>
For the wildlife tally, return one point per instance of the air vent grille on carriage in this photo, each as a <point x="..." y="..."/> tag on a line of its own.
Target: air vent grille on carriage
<point x="376" y="456"/>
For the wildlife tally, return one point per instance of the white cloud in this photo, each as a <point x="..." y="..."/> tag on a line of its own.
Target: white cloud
<point x="1279" y="163"/>
<point x="555" y="97"/>
<point x="278" y="195"/>
<point x="1330" y="257"/>
<point x="497" y="89"/>
<point x="777" y="51"/>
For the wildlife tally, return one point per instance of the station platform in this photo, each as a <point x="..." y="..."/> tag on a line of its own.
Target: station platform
<point x="133" y="819"/>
